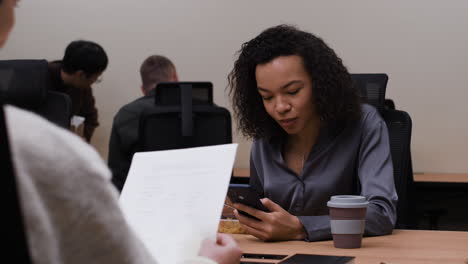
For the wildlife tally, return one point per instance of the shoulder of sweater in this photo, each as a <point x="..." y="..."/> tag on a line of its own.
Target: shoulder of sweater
<point x="51" y="145"/>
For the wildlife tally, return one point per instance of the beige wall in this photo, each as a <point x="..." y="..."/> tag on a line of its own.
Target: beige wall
<point x="421" y="44"/>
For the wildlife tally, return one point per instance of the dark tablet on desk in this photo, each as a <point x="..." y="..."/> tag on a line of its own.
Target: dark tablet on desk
<point x="319" y="259"/>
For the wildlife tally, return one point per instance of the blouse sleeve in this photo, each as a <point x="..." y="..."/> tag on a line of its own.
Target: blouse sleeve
<point x="376" y="177"/>
<point x="375" y="172"/>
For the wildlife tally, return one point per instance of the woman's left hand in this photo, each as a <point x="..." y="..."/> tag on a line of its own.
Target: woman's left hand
<point x="277" y="224"/>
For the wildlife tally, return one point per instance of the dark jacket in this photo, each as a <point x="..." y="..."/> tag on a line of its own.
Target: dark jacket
<point x="83" y="103"/>
<point x="124" y="137"/>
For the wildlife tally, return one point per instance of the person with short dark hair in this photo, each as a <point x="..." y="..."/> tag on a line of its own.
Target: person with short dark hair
<point x="156" y="69"/>
<point x="82" y="65"/>
<point x="313" y="139"/>
<point x="124" y="135"/>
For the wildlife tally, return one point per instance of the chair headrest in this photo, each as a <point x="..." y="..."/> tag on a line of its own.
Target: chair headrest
<point x="372" y="88"/>
<point x="24" y="82"/>
<point x="170" y="93"/>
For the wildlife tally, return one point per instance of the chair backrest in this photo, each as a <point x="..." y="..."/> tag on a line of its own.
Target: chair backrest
<point x="12" y="227"/>
<point x="57" y="109"/>
<point x="172" y="93"/>
<point x="372" y="88"/>
<point x="399" y="126"/>
<point x="25" y="83"/>
<point x="161" y="129"/>
<point x="389" y="104"/>
<point x="186" y="118"/>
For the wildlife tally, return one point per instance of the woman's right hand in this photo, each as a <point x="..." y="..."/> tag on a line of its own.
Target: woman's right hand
<point x="276" y="225"/>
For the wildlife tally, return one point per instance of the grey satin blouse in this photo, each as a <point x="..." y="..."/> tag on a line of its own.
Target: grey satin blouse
<point x="357" y="160"/>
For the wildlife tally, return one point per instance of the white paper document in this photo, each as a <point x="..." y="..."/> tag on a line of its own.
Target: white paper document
<point x="173" y="199"/>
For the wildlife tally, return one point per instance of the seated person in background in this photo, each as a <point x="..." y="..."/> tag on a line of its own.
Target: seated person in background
<point x="312" y="137"/>
<point x="81" y="66"/>
<point x="124" y="135"/>
<point x="70" y="209"/>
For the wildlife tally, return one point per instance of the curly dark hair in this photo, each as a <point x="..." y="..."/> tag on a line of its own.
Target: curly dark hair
<point x="337" y="100"/>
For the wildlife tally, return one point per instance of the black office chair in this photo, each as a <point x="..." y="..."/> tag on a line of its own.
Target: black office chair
<point x="25" y="83"/>
<point x="57" y="109"/>
<point x="13" y="227"/>
<point x="372" y="88"/>
<point x="184" y="116"/>
<point x="389" y="104"/>
<point x="441" y="205"/>
<point x="399" y="126"/>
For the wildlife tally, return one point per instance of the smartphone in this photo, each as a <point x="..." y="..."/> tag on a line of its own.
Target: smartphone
<point x="244" y="194"/>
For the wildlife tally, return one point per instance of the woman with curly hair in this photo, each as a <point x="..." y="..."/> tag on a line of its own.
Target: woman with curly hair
<point x="312" y="137"/>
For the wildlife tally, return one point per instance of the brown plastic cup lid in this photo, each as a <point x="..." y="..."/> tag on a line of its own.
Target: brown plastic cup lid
<point x="348" y="201"/>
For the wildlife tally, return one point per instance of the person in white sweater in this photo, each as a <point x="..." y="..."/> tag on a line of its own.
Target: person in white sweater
<point x="70" y="208"/>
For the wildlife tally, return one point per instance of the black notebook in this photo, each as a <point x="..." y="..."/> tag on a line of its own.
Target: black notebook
<point x="318" y="259"/>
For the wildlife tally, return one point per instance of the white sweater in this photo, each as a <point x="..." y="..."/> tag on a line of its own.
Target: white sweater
<point x="70" y="208"/>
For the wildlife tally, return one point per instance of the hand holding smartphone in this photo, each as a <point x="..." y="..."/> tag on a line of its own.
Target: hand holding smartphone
<point x="244" y="194"/>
